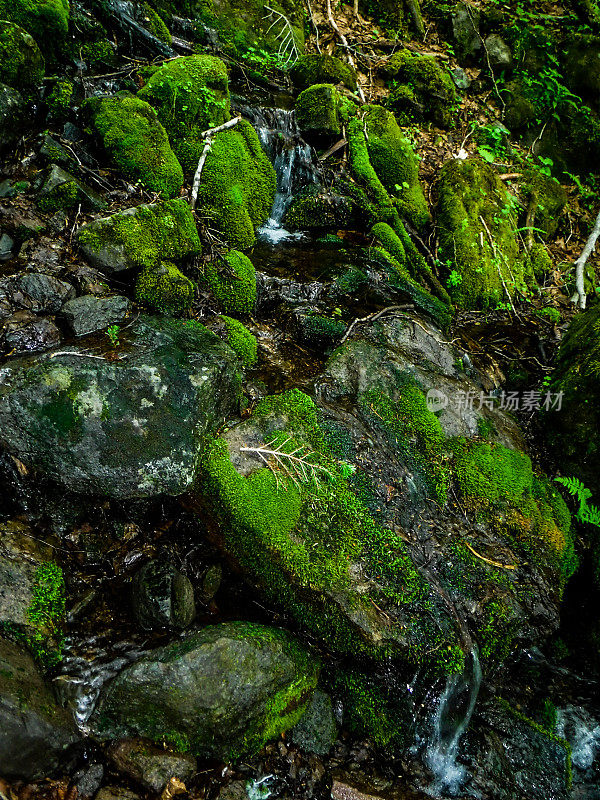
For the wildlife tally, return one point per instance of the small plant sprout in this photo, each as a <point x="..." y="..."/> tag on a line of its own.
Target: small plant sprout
<point x="113" y="334"/>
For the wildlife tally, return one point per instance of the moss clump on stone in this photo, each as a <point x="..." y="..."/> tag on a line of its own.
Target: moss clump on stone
<point x="316" y="212"/>
<point x="322" y="68"/>
<point x="22" y="65"/>
<point x="151" y="234"/>
<point x="233" y="282"/>
<point x="238" y="185"/>
<point x="46" y="614"/>
<point x="154" y="24"/>
<point x="477" y="225"/>
<point x="59" y="99"/>
<point x="46" y="20"/>
<point x="63" y="197"/>
<point x="318" y="111"/>
<point x="165" y="289"/>
<point x="190" y="95"/>
<point x="138" y="143"/>
<point x="431" y="92"/>
<point x="241" y="341"/>
<point x="321" y="332"/>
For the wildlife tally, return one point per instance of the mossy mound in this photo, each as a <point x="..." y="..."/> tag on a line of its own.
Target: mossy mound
<point x="242" y="342"/>
<point x="318" y="111"/>
<point x="233" y="282"/>
<point x="318" y="212"/>
<point x="548" y="198"/>
<point x="165" y="289"/>
<point x="425" y="89"/>
<point x="396" y="164"/>
<point x="575" y="428"/>
<point x="137" y="142"/>
<point x="190" y="95"/>
<point x="141" y="237"/>
<point x="59" y="100"/>
<point x="477" y="224"/>
<point x="46" y="20"/>
<point x="238" y="185"/>
<point x="314" y="68"/>
<point x="22" y="65"/>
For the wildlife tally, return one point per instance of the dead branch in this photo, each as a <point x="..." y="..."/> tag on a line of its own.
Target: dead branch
<point x="344" y="41"/>
<point x="580" y="297"/>
<point x="373" y="317"/>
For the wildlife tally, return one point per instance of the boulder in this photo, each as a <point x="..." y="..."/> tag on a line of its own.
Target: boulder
<point x="465" y="27"/>
<point x="221" y="692"/>
<point x="62" y="191"/>
<point x="36" y="292"/>
<point x="35" y="731"/>
<point x="21" y="63"/>
<point x="23" y="332"/>
<point x="11" y="115"/>
<point x="125" y="427"/>
<point x="317" y="730"/>
<point x="150" y="766"/>
<point x="88" y="314"/>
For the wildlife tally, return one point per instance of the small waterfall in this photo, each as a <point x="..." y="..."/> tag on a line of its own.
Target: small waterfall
<point x="582" y="732"/>
<point x="452" y="716"/>
<point x="293" y="159"/>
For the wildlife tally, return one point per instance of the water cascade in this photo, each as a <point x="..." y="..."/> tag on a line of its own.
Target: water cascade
<point x="450" y="720"/>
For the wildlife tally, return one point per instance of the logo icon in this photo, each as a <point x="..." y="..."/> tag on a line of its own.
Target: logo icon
<point x="436" y="400"/>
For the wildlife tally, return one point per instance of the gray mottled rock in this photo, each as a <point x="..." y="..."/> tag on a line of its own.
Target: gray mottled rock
<point x="37" y="292"/>
<point x="35" y="731"/>
<point x="151" y="766"/>
<point x="317" y="730"/>
<point x="499" y="52"/>
<point x="26" y="333"/>
<point x="465" y="28"/>
<point x="11" y="115"/>
<point x="127" y="425"/>
<point x="220" y="692"/>
<point x="162" y="597"/>
<point x="58" y="177"/>
<point x="88" y="314"/>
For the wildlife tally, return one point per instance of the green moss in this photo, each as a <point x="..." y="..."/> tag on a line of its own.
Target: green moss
<point x="390" y="241"/>
<point x="233" y="282"/>
<point x="317" y="110"/>
<point x="46" y="20"/>
<point x="46" y="614"/>
<point x="500" y="484"/>
<point x="59" y="99"/>
<point x="97" y="54"/>
<point x="241" y="341"/>
<point x="238" y="185"/>
<point x="322" y="68"/>
<point x="425" y="88"/>
<point x="21" y="63"/>
<point x="414" y="429"/>
<point x="321" y="332"/>
<point x="138" y="143"/>
<point x="157" y="232"/>
<point x="63" y="197"/>
<point x="165" y="289"/>
<point x="316" y="212"/>
<point x="190" y="95"/>
<point x="548" y="198"/>
<point x="550" y="313"/>
<point x="154" y="24"/>
<point x="477" y="224"/>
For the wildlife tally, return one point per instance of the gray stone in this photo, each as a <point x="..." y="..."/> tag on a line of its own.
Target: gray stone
<point x="460" y="78"/>
<point x="42" y="294"/>
<point x="465" y="27"/>
<point x="11" y="115"/>
<point x="116" y="793"/>
<point x="317" y="730"/>
<point x="220" y="692"/>
<point x="499" y="53"/>
<point x="162" y="597"/>
<point x="130" y="426"/>
<point x="26" y="333"/>
<point x="6" y="246"/>
<point x="53" y="151"/>
<point x="35" y="731"/>
<point x="151" y="766"/>
<point x="88" y="781"/>
<point x="88" y="314"/>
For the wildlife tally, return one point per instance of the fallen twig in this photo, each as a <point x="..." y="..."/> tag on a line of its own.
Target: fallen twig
<point x="373" y="317"/>
<point x="489" y="560"/>
<point x="344" y="41"/>
<point x="580" y="297"/>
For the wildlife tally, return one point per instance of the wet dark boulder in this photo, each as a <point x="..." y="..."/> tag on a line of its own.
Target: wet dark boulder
<point x="150" y="766"/>
<point x="126" y="423"/>
<point x="162" y="597"/>
<point x="35" y="730"/>
<point x="223" y="691"/>
<point x="24" y="332"/>
<point x="88" y="314"/>
<point x="11" y="116"/>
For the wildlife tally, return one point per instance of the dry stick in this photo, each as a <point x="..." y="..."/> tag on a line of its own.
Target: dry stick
<point x="344" y="41"/>
<point x="489" y="560"/>
<point x="208" y="133"/>
<point x="373" y="317"/>
<point x="493" y="246"/>
<point x="580" y="296"/>
<point x="315" y="26"/>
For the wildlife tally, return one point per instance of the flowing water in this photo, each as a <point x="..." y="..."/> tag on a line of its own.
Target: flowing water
<point x="451" y="719"/>
<point x="582" y="732"/>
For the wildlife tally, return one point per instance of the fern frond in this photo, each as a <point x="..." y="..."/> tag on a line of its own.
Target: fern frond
<point x="586" y="513"/>
<point x="298" y="462"/>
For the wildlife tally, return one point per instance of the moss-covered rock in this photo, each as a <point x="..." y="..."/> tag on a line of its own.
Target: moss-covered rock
<point x="62" y="191"/>
<point x="46" y="20"/>
<point x="130" y="427"/>
<point x="256" y="683"/>
<point x="21" y="63"/>
<point x="425" y="89"/>
<point x="238" y="185"/>
<point x="232" y="282"/>
<point x="165" y="289"/>
<point x="477" y="224"/>
<point x="317" y="111"/>
<point x="141" y="237"/>
<point x="59" y="100"/>
<point x="137" y="142"/>
<point x="318" y="212"/>
<point x="575" y="428"/>
<point x="322" y="68"/>
<point x="190" y="95"/>
<point x="548" y="199"/>
<point x="241" y="341"/>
